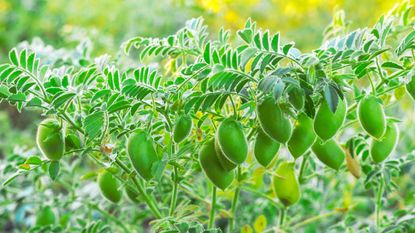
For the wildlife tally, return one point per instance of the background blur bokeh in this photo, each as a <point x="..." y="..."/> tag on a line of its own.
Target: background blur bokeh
<point x="109" y="22"/>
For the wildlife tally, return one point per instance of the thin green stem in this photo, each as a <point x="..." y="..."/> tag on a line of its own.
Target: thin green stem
<point x="283" y="211"/>
<point x="389" y="89"/>
<point x="371" y="84"/>
<point x="262" y="195"/>
<point x="72" y="122"/>
<point x="235" y="113"/>
<point x="315" y="218"/>
<point x="109" y="216"/>
<point x="140" y="188"/>
<point x="212" y="209"/>
<point x="174" y="193"/>
<point x="379" y="203"/>
<point x="302" y="167"/>
<point x="234" y="203"/>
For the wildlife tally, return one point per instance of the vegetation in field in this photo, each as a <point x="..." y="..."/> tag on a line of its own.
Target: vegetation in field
<point x="209" y="129"/>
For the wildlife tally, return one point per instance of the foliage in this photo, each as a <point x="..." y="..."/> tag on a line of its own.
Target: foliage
<point x="100" y="102"/>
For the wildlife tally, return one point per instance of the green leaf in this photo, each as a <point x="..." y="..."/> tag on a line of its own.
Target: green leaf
<point x="19" y="97"/>
<point x="246" y="35"/>
<point x="33" y="160"/>
<point x="35" y="102"/>
<point x="119" y="105"/>
<point x="4" y="92"/>
<point x="62" y="99"/>
<point x="31" y="62"/>
<point x="257" y="40"/>
<point x="406" y="43"/>
<point x="54" y="168"/>
<point x="246" y="55"/>
<point x="23" y="59"/>
<point x="93" y="124"/>
<point x="287" y="47"/>
<point x="330" y="95"/>
<point x="275" y="43"/>
<point x="265" y="40"/>
<point x="13" y="57"/>
<point x="206" y="54"/>
<point x="392" y="65"/>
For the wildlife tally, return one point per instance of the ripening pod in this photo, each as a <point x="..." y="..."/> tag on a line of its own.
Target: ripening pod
<point x="224" y="161"/>
<point x="108" y="185"/>
<point x="303" y="136"/>
<point x="372" y="116"/>
<point x="410" y="87"/>
<point x="211" y="166"/>
<point x="140" y="149"/>
<point x="352" y="164"/>
<point x="45" y="217"/>
<point x="285" y="184"/>
<point x="230" y="139"/>
<point x="330" y="153"/>
<point x="327" y="123"/>
<point x="273" y="120"/>
<point x="182" y="128"/>
<point x="382" y="148"/>
<point x="50" y="139"/>
<point x="265" y="148"/>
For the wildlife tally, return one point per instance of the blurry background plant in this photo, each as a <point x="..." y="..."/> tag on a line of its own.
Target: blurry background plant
<point x="92" y="28"/>
<point x="108" y="22"/>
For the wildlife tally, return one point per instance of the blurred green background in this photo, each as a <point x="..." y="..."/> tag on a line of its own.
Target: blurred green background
<point x="110" y="22"/>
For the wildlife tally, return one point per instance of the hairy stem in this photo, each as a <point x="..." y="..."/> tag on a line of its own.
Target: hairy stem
<point x="140" y="188"/>
<point x="379" y="203"/>
<point x="303" y="167"/>
<point x="283" y="210"/>
<point x="234" y="203"/>
<point x="212" y="209"/>
<point x="313" y="219"/>
<point x="174" y="193"/>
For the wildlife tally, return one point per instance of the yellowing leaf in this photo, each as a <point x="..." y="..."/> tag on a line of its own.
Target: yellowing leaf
<point x="24" y="166"/>
<point x="246" y="229"/>
<point x="260" y="223"/>
<point x="399" y="92"/>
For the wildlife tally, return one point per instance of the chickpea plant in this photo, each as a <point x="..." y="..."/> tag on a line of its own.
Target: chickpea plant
<point x="183" y="131"/>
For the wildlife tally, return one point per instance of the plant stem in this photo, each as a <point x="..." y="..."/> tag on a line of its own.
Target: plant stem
<point x="379" y="203"/>
<point x="212" y="209"/>
<point x="315" y="218"/>
<point x="371" y="84"/>
<point x="262" y="195"/>
<point x="233" y="106"/>
<point x="109" y="216"/>
<point x="233" y="208"/>
<point x="282" y="216"/>
<point x="140" y="188"/>
<point x="174" y="193"/>
<point x="302" y="168"/>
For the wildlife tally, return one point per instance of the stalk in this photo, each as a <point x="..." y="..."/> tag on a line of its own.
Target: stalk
<point x="379" y="203"/>
<point x="234" y="203"/>
<point x="212" y="209"/>
<point x="140" y="188"/>
<point x="174" y="193"/>
<point x="302" y="168"/>
<point x="315" y="218"/>
<point x="283" y="211"/>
